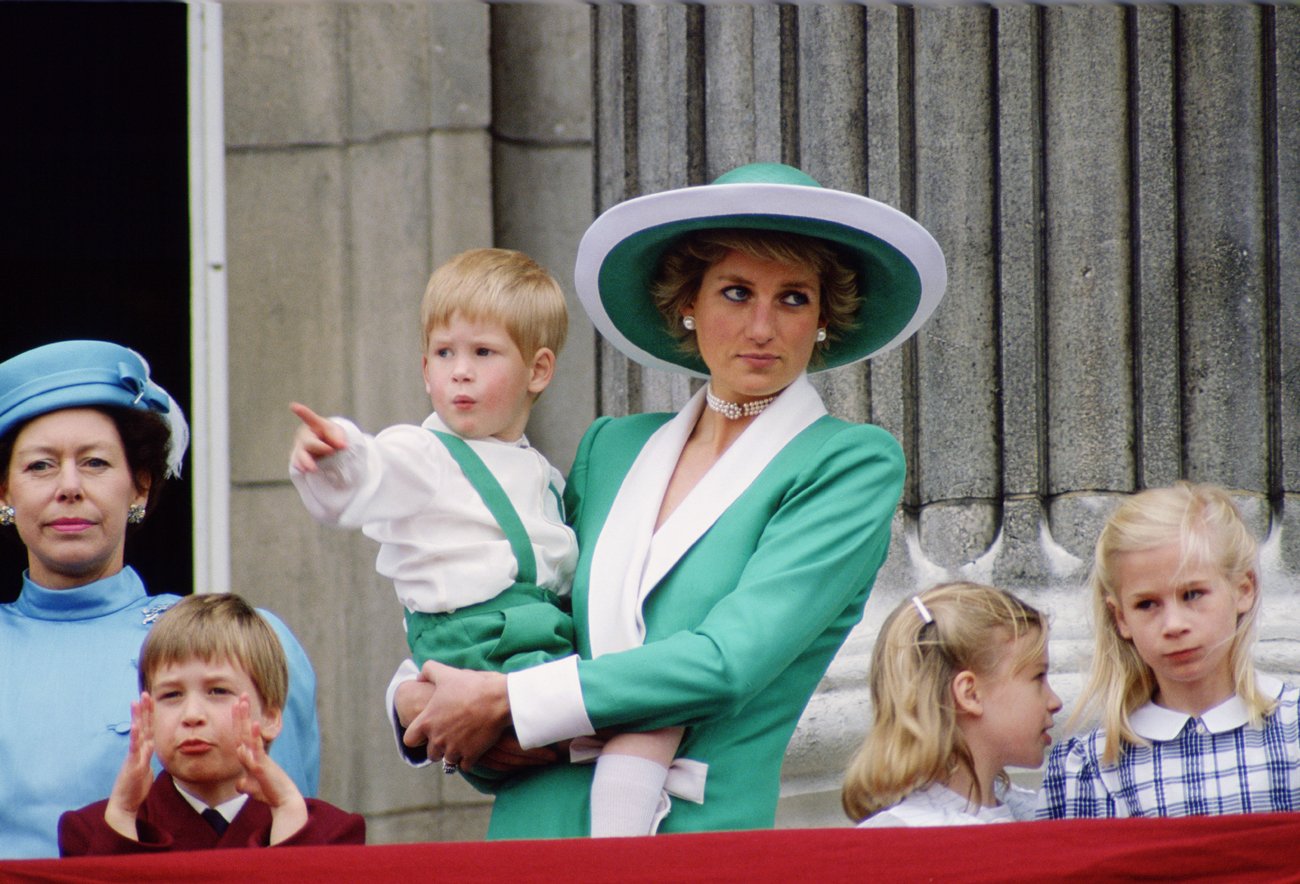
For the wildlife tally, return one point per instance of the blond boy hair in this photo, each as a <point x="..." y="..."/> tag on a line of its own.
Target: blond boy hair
<point x="215" y="627"/>
<point x="498" y="285"/>
<point x="1206" y="523"/>
<point x="915" y="740"/>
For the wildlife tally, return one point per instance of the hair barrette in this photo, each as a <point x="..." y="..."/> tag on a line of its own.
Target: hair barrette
<point x="922" y="609"/>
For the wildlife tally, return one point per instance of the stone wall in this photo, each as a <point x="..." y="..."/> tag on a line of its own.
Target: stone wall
<point x="1114" y="188"/>
<point x="359" y="155"/>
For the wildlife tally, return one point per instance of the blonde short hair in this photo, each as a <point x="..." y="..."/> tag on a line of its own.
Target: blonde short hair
<point x="498" y="285"/>
<point x="914" y="739"/>
<point x="682" y="267"/>
<point x="213" y="627"/>
<point x="1206" y="523"/>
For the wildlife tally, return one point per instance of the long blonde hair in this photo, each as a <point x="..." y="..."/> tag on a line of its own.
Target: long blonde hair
<point x="1205" y="522"/>
<point x="914" y="740"/>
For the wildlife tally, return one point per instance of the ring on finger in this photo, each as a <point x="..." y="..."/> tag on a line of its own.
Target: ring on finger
<point x="448" y="767"/>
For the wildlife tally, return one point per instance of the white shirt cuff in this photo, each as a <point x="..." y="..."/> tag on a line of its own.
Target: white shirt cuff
<point x="546" y="703"/>
<point x="416" y="757"/>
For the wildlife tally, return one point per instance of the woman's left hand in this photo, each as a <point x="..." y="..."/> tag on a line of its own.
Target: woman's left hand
<point x="465" y="716"/>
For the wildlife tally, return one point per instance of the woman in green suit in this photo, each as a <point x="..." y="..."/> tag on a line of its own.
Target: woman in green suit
<point x="727" y="550"/>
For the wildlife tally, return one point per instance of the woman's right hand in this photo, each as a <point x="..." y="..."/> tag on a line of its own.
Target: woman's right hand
<point x="411" y="698"/>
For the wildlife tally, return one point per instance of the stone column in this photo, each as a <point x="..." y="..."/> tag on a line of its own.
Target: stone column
<point x="1113" y="188"/>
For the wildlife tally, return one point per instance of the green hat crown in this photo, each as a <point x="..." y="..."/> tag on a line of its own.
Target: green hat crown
<point x="767" y="173"/>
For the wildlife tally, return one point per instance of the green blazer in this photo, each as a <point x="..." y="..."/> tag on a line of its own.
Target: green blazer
<point x="738" y="633"/>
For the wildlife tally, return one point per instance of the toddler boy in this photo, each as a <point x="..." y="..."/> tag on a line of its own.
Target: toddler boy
<point x="468" y="515"/>
<point x="466" y="512"/>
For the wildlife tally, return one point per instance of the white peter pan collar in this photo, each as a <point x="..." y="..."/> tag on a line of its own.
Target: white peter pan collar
<point x="1152" y="722"/>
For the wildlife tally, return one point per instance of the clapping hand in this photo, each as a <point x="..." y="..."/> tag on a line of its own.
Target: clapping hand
<point x="263" y="779"/>
<point x="135" y="777"/>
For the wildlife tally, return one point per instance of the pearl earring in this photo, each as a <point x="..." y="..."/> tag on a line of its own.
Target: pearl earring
<point x="134" y="514"/>
<point x="821" y="335"/>
<point x="7" y="514"/>
<point x="688" y="323"/>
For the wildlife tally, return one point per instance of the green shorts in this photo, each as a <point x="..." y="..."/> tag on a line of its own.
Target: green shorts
<point x="523" y="626"/>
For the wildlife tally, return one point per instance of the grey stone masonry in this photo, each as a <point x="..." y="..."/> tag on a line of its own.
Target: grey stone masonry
<point x="366" y="144"/>
<point x="359" y="156"/>
<point x="542" y="185"/>
<point x="1116" y="189"/>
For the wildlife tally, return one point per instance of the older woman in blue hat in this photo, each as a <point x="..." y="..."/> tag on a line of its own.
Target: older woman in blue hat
<point x="726" y="550"/>
<point x="87" y="441"/>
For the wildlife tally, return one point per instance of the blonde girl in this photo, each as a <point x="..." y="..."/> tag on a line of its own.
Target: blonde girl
<point x="959" y="688"/>
<point x="1187" y="726"/>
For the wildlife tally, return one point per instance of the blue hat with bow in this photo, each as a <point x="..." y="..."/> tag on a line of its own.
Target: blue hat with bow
<point x="78" y="374"/>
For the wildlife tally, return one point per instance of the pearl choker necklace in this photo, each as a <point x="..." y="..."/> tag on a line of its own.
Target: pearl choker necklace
<point x="736" y="410"/>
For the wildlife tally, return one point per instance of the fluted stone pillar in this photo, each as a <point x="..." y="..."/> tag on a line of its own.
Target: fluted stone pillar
<point x="1113" y="188"/>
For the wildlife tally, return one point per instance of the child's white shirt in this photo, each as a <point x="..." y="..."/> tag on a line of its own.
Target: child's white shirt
<point x="228" y="809"/>
<point x="937" y="805"/>
<point x="439" y="544"/>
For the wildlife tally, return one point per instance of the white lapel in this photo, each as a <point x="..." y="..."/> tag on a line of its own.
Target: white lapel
<point x="631" y="558"/>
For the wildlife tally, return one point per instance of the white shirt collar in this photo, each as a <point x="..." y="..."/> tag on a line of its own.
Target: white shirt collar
<point x="953" y="808"/>
<point x="433" y="422"/>
<point x="1152" y="722"/>
<point x="228" y="809"/>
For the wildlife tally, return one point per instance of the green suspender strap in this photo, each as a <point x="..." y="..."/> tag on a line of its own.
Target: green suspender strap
<point x="497" y="502"/>
<point x="524" y="625"/>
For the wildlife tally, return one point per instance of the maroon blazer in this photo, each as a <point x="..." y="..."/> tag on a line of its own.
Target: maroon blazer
<point x="167" y="822"/>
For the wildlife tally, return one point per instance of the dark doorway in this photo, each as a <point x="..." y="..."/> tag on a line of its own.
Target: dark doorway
<point x="94" y="241"/>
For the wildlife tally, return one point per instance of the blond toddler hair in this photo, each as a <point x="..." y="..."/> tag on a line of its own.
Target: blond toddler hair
<point x="498" y="285"/>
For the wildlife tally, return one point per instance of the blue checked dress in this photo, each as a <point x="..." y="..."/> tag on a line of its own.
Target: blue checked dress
<point x="1194" y="766"/>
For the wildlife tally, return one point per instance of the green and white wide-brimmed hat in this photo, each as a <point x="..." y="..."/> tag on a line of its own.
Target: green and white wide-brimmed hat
<point x="901" y="271"/>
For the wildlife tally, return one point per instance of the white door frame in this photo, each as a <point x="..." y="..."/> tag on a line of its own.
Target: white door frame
<point x="209" y="409"/>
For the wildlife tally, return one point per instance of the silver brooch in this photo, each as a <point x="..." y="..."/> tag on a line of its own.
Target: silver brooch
<point x="152" y="612"/>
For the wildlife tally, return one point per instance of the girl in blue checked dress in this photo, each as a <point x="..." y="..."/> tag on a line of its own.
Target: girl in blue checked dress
<point x="1187" y="726"/>
<point x="959" y="690"/>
